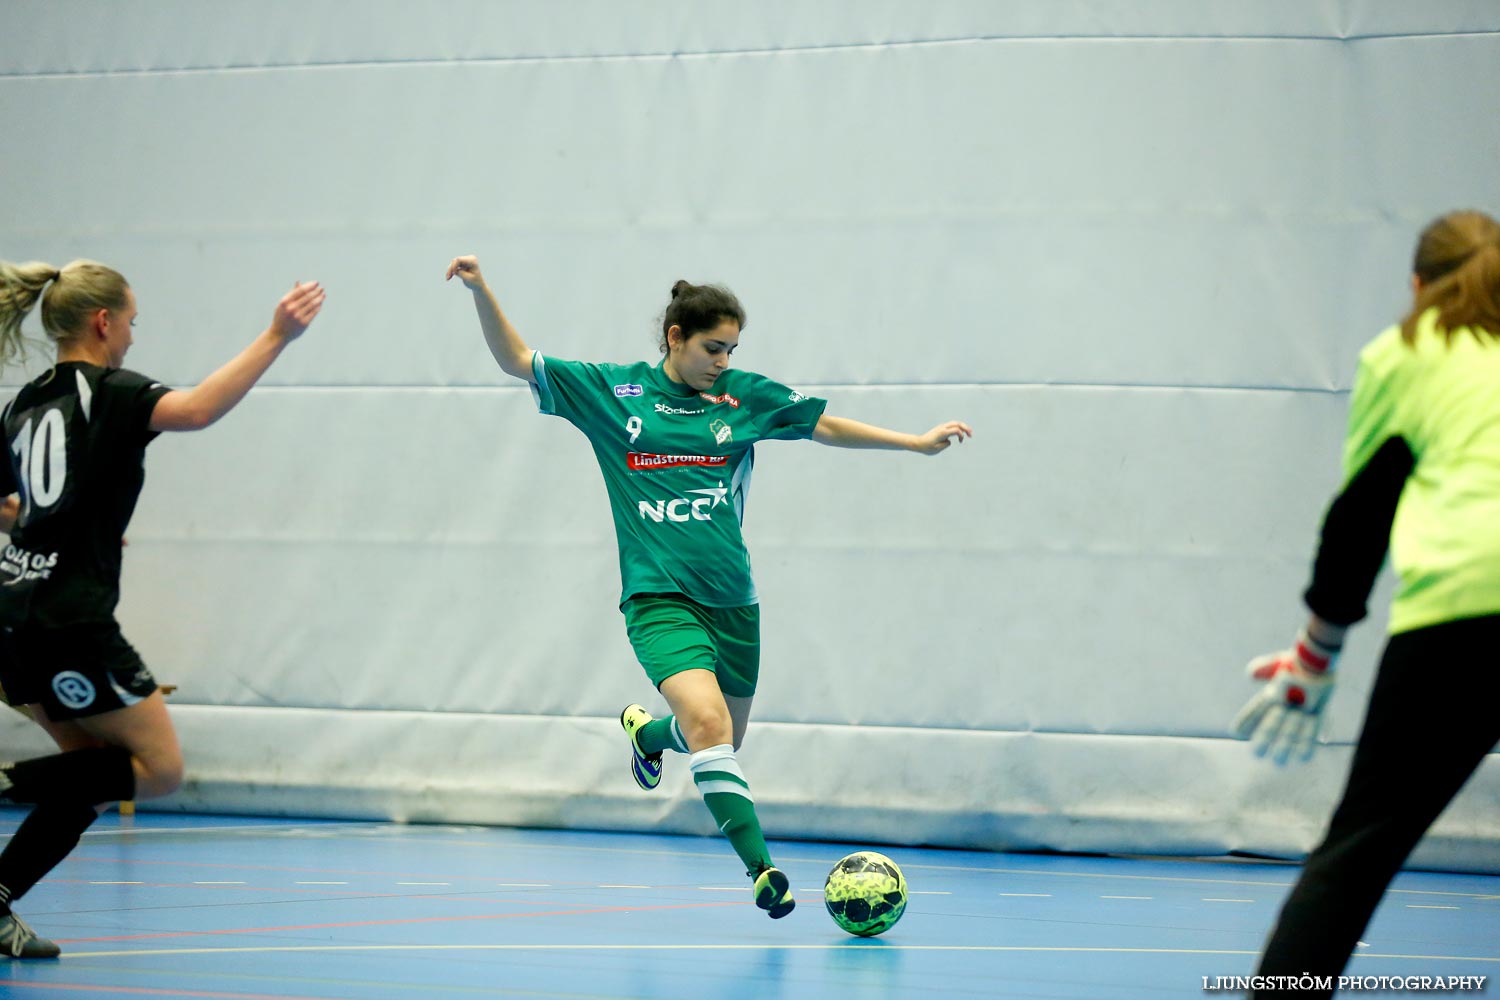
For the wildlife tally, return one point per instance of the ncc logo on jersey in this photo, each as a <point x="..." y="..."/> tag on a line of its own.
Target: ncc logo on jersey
<point x="627" y="390"/>
<point x="682" y="509"/>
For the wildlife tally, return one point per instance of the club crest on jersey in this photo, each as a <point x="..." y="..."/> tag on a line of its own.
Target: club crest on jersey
<point x="637" y="461"/>
<point x="627" y="390"/>
<point x="796" y="397"/>
<point x="722" y="397"/>
<point x="722" y="434"/>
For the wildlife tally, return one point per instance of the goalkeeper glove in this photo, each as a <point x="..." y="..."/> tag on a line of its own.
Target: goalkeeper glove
<point x="1284" y="716"/>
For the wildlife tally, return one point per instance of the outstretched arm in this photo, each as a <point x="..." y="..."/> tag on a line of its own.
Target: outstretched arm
<point x="841" y="432"/>
<point x="196" y="408"/>
<point x="503" y="340"/>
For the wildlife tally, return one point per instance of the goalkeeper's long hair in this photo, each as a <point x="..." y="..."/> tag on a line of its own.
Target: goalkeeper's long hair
<point x="1458" y="265"/>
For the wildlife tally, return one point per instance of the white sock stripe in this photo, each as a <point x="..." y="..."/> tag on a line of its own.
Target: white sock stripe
<point x="725" y="788"/>
<point x="719" y="758"/>
<point x="682" y="746"/>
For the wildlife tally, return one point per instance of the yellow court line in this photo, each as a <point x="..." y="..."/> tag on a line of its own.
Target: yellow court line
<point x="1187" y="879"/>
<point x="881" y="947"/>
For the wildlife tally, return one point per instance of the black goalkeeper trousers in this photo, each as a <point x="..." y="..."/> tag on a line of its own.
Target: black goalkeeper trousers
<point x="1433" y="716"/>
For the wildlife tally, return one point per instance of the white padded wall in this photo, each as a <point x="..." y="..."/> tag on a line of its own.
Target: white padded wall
<point x="1136" y="246"/>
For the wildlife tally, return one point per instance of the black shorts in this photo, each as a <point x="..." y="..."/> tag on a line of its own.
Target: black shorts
<point x="74" y="671"/>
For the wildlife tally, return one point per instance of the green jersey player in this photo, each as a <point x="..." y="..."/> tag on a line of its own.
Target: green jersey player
<point x="675" y="442"/>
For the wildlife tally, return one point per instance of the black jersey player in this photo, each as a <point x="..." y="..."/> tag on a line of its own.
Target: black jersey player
<point x="76" y="436"/>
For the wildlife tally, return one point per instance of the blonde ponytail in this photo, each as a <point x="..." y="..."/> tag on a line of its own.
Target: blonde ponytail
<point x="69" y="295"/>
<point x="20" y="287"/>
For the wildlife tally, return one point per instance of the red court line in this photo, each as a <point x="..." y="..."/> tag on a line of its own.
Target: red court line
<point x="323" y="890"/>
<point x="396" y="922"/>
<point x="302" y="869"/>
<point x="329" y="894"/>
<point x="147" y="991"/>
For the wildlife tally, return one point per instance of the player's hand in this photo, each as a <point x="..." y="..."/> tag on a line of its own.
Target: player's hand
<point x="941" y="436"/>
<point x="467" y="271"/>
<point x="297" y="309"/>
<point x="1284" y="717"/>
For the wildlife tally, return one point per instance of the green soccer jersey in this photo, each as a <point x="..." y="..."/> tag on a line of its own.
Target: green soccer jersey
<point x="676" y="463"/>
<point x="1443" y="400"/>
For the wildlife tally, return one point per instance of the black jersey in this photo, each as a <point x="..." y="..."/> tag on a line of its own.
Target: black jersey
<point x="77" y="439"/>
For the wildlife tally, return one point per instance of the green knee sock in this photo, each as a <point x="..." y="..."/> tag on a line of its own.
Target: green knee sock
<point x="661" y="734"/>
<point x="727" y="795"/>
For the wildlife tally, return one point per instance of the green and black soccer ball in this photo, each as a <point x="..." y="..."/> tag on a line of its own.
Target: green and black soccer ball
<point x="865" y="893"/>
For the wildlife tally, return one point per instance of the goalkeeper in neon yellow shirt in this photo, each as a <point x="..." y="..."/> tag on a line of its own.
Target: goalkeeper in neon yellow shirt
<point x="676" y="445"/>
<point x="1422" y="478"/>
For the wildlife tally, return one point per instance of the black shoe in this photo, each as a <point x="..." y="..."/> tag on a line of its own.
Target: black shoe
<point x="19" y="941"/>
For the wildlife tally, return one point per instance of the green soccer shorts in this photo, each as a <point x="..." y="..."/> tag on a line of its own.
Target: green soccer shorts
<point x="671" y="633"/>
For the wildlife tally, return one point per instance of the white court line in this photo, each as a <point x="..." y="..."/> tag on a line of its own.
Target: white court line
<point x="218" y="883"/>
<point x="405" y="835"/>
<point x="1038" y="895"/>
<point x="424" y="883"/>
<point x="624" y="887"/>
<point x="1124" y="897"/>
<point x="1211" y="900"/>
<point x="73" y="956"/>
<point x="1440" y="892"/>
<point x="139" y="831"/>
<point x="320" y="883"/>
<point x="408" y="836"/>
<point x="523" y="885"/>
<point x="115" y="883"/>
<point x="1419" y="906"/>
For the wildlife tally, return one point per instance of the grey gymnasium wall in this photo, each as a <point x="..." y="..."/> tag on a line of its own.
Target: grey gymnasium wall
<point x="1136" y="246"/>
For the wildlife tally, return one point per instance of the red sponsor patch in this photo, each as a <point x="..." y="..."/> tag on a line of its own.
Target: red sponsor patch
<point x="638" y="461"/>
<point x="722" y="398"/>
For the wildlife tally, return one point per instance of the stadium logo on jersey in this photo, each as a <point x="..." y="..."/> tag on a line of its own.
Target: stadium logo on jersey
<point x="641" y="462"/>
<point x="722" y="434"/>
<point x="627" y="390"/>
<point x="679" y="411"/>
<point x="722" y="398"/>
<point x="683" y="509"/>
<point x="17" y="565"/>
<point x="73" y="689"/>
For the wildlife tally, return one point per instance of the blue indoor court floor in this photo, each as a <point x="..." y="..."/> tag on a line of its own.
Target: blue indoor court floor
<point x="170" y="905"/>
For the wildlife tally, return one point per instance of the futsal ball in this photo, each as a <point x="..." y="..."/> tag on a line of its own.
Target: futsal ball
<point x="865" y="893"/>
